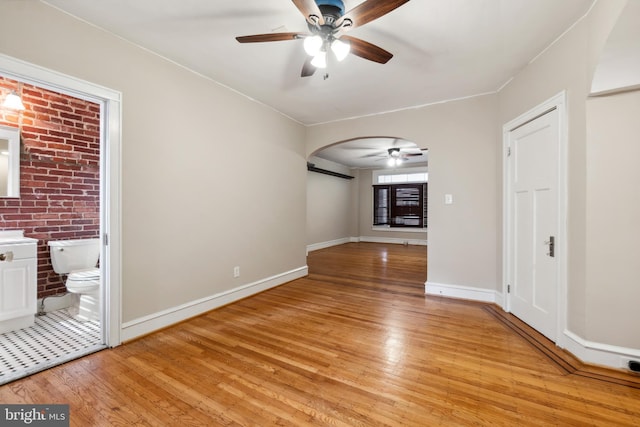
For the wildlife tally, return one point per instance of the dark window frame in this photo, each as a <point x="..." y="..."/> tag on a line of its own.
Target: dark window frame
<point x="400" y="205"/>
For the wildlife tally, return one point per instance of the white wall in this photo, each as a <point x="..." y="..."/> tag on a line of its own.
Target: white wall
<point x="339" y="210"/>
<point x="613" y="219"/>
<point x="465" y="239"/>
<point x="189" y="212"/>
<point x="568" y="65"/>
<point x="331" y="208"/>
<point x="461" y="137"/>
<point x="184" y="227"/>
<point x="602" y="289"/>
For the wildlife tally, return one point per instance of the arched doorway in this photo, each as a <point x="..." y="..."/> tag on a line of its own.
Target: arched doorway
<point x="342" y="210"/>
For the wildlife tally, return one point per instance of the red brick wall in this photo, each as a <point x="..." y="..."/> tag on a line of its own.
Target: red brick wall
<point x="59" y="173"/>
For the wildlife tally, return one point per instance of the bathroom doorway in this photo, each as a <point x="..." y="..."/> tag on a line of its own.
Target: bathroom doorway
<point x="70" y="149"/>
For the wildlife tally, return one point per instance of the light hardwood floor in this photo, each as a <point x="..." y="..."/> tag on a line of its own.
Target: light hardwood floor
<point x="356" y="343"/>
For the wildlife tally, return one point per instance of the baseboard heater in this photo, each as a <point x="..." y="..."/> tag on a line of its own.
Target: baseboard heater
<point x="312" y="167"/>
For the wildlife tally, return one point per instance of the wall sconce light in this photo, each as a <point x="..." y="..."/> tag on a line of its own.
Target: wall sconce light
<point x="13" y="101"/>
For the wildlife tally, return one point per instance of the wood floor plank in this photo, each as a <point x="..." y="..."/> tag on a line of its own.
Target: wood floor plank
<point x="355" y="343"/>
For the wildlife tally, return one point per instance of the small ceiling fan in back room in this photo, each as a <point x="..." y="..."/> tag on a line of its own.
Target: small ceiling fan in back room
<point x="328" y="23"/>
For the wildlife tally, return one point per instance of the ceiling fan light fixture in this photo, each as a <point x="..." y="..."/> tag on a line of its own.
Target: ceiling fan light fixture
<point x="340" y="49"/>
<point x="320" y="60"/>
<point x="313" y="45"/>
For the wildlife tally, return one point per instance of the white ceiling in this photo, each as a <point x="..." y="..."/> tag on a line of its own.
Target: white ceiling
<point x="619" y="65"/>
<point x="443" y="49"/>
<point x="372" y="153"/>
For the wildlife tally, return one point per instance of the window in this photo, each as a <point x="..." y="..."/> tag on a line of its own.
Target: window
<point x="400" y="197"/>
<point x="400" y="205"/>
<point x="400" y="178"/>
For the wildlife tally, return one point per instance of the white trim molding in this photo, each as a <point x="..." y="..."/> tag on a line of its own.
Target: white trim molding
<point x="590" y="352"/>
<point x="558" y="102"/>
<point x="462" y="292"/>
<point x="110" y="102"/>
<point x="153" y="322"/>
<point x="396" y="241"/>
<point x="328" y="244"/>
<point x="393" y="240"/>
<point x="599" y="354"/>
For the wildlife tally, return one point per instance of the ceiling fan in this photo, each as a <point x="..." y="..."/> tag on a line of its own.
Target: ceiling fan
<point x="327" y="22"/>
<point x="397" y="155"/>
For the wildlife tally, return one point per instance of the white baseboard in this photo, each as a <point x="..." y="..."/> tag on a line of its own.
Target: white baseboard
<point x="598" y="353"/>
<point x="393" y="240"/>
<point x="462" y="292"/>
<point x="153" y="322"/>
<point x="324" y="245"/>
<point x="370" y="239"/>
<point x="587" y="351"/>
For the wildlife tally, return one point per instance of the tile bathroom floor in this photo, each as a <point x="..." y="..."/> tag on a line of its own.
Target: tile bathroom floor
<point x="55" y="338"/>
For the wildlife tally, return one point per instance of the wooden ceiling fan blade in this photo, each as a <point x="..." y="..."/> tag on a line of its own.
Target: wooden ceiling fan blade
<point x="307" y="68"/>
<point x="270" y="37"/>
<point x="310" y="11"/>
<point x="374" y="155"/>
<point x="368" y="11"/>
<point x="411" y="150"/>
<point x="367" y="50"/>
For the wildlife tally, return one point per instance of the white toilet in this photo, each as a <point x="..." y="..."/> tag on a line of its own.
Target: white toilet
<point x="78" y="259"/>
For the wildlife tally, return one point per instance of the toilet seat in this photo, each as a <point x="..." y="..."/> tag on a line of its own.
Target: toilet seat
<point x="83" y="281"/>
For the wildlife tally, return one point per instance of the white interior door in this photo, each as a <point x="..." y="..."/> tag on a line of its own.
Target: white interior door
<point x="533" y="222"/>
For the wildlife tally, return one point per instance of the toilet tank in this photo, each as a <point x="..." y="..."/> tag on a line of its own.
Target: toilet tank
<point x="70" y="255"/>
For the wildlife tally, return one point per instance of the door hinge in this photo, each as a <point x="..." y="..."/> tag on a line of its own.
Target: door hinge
<point x="508" y="289"/>
<point x="508" y="151"/>
<point x="106" y="240"/>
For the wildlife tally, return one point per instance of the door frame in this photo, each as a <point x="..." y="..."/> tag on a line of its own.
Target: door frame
<point x="559" y="102"/>
<point x="110" y="102"/>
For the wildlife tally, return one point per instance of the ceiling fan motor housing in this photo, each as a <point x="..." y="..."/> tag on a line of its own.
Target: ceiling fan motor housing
<point x="331" y="10"/>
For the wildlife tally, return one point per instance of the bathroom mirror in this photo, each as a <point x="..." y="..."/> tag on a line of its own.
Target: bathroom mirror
<point x="9" y="162"/>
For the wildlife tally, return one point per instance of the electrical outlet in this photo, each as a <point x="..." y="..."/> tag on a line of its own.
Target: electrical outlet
<point x="631" y="364"/>
<point x="236" y="271"/>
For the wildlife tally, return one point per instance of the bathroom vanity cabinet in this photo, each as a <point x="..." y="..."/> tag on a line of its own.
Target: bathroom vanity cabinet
<point x="18" y="280"/>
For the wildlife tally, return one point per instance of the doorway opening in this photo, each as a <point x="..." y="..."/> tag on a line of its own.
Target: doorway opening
<point x="385" y="201"/>
<point x="69" y="192"/>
